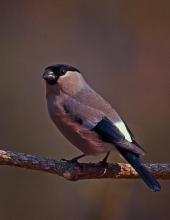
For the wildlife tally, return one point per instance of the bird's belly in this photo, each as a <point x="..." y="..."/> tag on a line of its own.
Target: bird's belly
<point x="85" y="140"/>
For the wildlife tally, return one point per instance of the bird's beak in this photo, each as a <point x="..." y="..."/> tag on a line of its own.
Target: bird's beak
<point x="50" y="77"/>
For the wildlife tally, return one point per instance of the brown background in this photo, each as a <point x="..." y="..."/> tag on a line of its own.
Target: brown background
<point x="123" y="49"/>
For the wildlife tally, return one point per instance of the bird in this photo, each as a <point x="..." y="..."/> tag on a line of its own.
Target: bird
<point x="88" y="121"/>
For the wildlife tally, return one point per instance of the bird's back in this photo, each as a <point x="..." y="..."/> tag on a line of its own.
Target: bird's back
<point x="89" y="97"/>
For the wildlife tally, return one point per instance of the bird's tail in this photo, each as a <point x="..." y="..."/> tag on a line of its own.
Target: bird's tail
<point x="136" y="163"/>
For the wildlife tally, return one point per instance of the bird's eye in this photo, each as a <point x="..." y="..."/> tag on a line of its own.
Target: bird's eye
<point x="62" y="71"/>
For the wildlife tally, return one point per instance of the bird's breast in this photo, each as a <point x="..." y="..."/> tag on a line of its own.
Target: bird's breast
<point x="84" y="139"/>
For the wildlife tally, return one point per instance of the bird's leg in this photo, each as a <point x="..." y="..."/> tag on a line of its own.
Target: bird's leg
<point x="104" y="161"/>
<point x="75" y="159"/>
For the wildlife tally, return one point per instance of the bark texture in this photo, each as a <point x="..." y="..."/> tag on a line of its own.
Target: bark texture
<point x="77" y="171"/>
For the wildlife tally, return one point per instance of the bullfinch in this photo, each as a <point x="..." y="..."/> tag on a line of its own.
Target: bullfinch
<point x="88" y="121"/>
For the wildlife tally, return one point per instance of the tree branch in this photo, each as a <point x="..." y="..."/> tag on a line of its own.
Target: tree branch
<point x="77" y="171"/>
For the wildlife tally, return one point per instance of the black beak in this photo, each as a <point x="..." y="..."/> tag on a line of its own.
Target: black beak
<point x="50" y="77"/>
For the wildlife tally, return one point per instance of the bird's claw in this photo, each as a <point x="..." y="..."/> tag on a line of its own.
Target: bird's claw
<point x="104" y="161"/>
<point x="104" y="165"/>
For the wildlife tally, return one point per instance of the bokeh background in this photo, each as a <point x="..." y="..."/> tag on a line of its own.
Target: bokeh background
<point x="123" y="50"/>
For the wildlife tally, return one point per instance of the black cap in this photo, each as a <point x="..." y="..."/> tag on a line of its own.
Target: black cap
<point x="53" y="72"/>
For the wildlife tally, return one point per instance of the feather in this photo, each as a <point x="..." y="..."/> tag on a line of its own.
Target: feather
<point x="108" y="132"/>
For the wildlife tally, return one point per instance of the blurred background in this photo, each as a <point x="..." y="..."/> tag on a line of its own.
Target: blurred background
<point x="123" y="50"/>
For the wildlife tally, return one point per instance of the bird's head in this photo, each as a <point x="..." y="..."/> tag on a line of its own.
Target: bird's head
<point x="53" y="73"/>
<point x="66" y="77"/>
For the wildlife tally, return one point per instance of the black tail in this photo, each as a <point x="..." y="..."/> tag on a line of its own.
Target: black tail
<point x="136" y="163"/>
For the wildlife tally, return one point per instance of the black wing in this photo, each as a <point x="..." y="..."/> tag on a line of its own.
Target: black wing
<point x="110" y="133"/>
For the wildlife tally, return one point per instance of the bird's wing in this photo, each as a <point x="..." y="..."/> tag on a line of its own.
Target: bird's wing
<point x="85" y="115"/>
<point x="90" y="98"/>
<point x="111" y="133"/>
<point x="95" y="120"/>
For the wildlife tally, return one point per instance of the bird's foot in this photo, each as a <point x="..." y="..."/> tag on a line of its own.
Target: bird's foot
<point x="74" y="160"/>
<point x="104" y="161"/>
